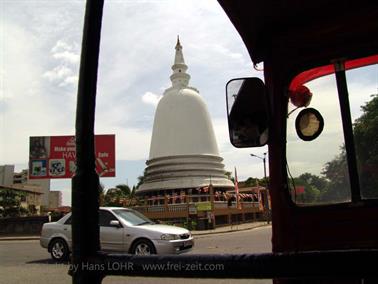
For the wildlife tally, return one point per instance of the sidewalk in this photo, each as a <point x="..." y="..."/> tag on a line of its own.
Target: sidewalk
<point x="18" y="238"/>
<point x="225" y="229"/>
<point x="231" y="228"/>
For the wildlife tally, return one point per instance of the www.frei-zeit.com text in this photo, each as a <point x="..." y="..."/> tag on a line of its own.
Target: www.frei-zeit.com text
<point x="129" y="266"/>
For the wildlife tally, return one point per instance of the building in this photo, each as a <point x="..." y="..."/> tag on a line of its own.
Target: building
<point x="45" y="185"/>
<point x="21" y="177"/>
<point x="184" y="156"/>
<point x="55" y="200"/>
<point x="31" y="198"/>
<point x="8" y="177"/>
<point x="185" y="178"/>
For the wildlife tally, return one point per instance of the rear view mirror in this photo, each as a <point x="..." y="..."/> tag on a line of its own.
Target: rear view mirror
<point x="247" y="110"/>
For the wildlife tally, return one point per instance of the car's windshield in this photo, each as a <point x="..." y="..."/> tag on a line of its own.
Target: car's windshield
<point x="132" y="217"/>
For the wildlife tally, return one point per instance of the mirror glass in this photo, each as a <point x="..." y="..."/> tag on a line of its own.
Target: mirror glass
<point x="247" y="110"/>
<point x="309" y="124"/>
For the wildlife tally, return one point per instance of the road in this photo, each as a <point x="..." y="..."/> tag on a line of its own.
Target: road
<point x="26" y="262"/>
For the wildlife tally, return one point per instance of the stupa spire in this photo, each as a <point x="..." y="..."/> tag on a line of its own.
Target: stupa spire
<point x="179" y="78"/>
<point x="179" y="57"/>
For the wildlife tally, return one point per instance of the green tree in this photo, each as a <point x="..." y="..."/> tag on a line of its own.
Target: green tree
<point x="315" y="181"/>
<point x="251" y="182"/>
<point x="101" y="197"/>
<point x="228" y="175"/>
<point x="312" y="184"/>
<point x="336" y="172"/>
<point x="10" y="203"/>
<point x="365" y="131"/>
<point x="366" y="141"/>
<point x="124" y="189"/>
<point x="114" y="196"/>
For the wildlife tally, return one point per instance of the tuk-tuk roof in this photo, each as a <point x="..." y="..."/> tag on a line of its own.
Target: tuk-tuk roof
<point x="300" y="29"/>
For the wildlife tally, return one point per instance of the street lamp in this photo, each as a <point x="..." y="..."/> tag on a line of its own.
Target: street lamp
<point x="267" y="190"/>
<point x="264" y="161"/>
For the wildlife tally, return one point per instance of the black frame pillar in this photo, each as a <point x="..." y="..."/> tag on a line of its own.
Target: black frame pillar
<point x="85" y="183"/>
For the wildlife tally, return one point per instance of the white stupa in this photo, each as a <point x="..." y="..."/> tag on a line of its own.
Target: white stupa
<point x="183" y="153"/>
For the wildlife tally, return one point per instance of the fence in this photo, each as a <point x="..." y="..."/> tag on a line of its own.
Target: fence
<point x="22" y="225"/>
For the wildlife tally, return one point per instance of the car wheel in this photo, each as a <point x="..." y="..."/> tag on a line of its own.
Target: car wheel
<point x="59" y="250"/>
<point x="143" y="247"/>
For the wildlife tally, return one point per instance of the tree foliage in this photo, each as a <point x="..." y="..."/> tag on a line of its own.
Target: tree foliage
<point x="115" y="196"/>
<point x="10" y="203"/>
<point x="312" y="185"/>
<point x="336" y="173"/>
<point x="366" y="141"/>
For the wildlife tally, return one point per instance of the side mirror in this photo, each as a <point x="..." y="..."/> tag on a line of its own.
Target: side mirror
<point x="248" y="112"/>
<point x="115" y="223"/>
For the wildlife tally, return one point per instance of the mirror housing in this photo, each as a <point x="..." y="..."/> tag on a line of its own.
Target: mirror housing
<point x="247" y="112"/>
<point x="115" y="223"/>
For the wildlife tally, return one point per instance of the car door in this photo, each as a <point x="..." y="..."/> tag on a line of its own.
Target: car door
<point x="111" y="237"/>
<point x="66" y="231"/>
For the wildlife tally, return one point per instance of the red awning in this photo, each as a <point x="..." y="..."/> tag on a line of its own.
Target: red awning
<point x="314" y="73"/>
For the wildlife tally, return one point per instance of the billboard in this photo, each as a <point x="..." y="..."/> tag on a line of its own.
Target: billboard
<point x="52" y="157"/>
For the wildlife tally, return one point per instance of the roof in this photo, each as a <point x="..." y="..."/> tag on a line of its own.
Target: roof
<point x="25" y="188"/>
<point x="301" y="29"/>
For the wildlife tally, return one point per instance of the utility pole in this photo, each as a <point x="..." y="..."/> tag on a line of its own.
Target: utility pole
<point x="266" y="205"/>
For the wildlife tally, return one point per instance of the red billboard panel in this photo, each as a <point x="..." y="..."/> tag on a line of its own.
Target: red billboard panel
<point x="55" y="156"/>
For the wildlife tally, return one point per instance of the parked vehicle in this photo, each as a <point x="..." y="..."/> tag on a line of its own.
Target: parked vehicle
<point x="121" y="230"/>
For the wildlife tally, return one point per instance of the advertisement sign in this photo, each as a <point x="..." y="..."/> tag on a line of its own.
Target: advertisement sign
<point x="52" y="157"/>
<point x="203" y="206"/>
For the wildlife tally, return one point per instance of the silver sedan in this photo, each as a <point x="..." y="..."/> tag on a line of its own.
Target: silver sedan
<point x="121" y="230"/>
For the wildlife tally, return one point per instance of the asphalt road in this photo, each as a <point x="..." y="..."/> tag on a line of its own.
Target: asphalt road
<point x="26" y="262"/>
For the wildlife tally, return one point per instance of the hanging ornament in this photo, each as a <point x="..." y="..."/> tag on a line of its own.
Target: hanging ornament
<point x="301" y="96"/>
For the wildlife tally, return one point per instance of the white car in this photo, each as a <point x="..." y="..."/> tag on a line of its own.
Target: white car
<point x="121" y="230"/>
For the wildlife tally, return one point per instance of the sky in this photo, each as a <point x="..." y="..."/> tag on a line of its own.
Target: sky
<point x="39" y="62"/>
<point x="40" y="44"/>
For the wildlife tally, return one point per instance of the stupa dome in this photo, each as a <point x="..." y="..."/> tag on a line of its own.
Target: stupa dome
<point x="182" y="126"/>
<point x="183" y="151"/>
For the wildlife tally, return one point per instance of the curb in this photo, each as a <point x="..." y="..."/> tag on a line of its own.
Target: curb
<point x="229" y="231"/>
<point x="26" y="238"/>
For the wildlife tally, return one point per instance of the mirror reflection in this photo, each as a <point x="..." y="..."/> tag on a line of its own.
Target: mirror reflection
<point x="247" y="110"/>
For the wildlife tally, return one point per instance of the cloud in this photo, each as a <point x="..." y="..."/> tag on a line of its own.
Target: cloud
<point x="33" y="103"/>
<point x="60" y="46"/>
<point x="70" y="80"/>
<point x="151" y="98"/>
<point x="227" y="52"/>
<point x="59" y="73"/>
<point x="66" y="59"/>
<point x="131" y="143"/>
<point x="66" y="52"/>
<point x="67" y="56"/>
